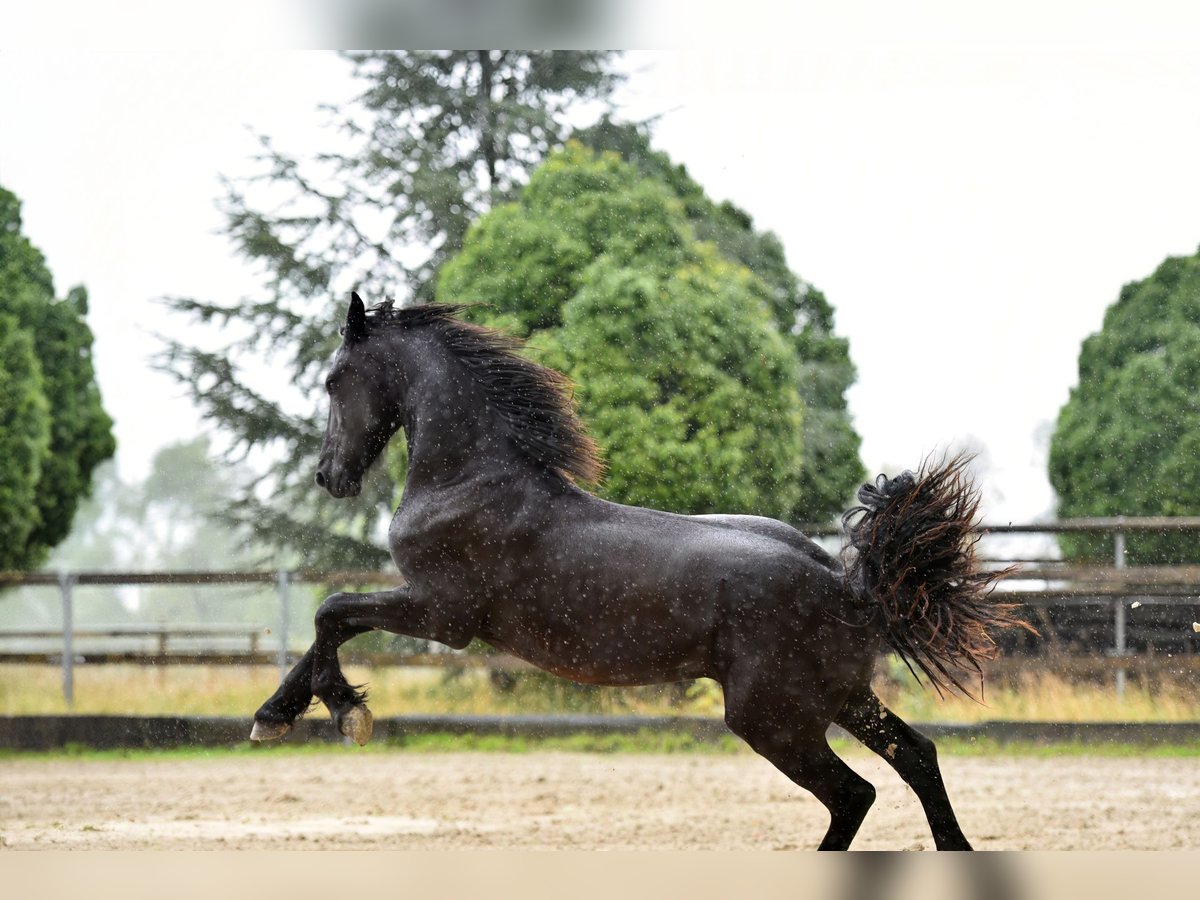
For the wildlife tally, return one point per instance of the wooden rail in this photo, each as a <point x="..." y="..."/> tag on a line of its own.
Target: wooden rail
<point x="162" y="635"/>
<point x="1095" y="601"/>
<point x="1097" y="525"/>
<point x="199" y="577"/>
<point x="499" y="662"/>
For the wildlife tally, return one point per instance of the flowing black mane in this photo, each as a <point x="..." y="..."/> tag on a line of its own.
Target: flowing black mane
<point x="536" y="404"/>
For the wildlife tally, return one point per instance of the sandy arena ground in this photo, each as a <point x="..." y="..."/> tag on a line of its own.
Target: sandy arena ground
<point x="397" y="800"/>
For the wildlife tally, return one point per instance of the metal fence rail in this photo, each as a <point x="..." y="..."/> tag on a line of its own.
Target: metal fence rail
<point x="67" y="583"/>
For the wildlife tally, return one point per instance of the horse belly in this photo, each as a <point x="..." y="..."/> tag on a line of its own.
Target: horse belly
<point x="608" y="667"/>
<point x="608" y="640"/>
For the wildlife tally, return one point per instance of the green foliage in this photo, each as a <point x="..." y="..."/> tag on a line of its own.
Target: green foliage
<point x="434" y="139"/>
<point x="1128" y="440"/>
<point x="80" y="432"/>
<point x="832" y="469"/>
<point x="24" y="441"/>
<point x="683" y="377"/>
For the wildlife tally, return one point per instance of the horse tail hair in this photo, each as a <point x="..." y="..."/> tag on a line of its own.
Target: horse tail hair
<point x="914" y="540"/>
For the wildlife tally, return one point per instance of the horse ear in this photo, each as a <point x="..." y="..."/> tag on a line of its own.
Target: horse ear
<point x="356" y="320"/>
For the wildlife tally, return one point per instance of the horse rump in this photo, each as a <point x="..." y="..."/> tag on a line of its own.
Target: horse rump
<point x="914" y="540"/>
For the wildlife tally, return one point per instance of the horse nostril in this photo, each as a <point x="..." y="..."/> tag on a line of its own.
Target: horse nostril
<point x="320" y="478"/>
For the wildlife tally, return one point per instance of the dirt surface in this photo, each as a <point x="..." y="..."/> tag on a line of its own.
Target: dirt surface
<point x="397" y="800"/>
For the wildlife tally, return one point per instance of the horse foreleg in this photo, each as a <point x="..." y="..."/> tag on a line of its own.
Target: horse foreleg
<point x="344" y="616"/>
<point x="275" y="717"/>
<point x="318" y="673"/>
<point x="295" y="694"/>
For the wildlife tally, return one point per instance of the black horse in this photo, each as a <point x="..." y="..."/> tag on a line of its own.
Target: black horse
<point x="496" y="541"/>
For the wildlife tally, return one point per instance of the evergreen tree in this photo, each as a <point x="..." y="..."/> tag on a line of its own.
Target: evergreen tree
<point x="24" y="442"/>
<point x="681" y="373"/>
<point x="435" y="139"/>
<point x="1127" y="441"/>
<point x="80" y="431"/>
<point x="832" y="468"/>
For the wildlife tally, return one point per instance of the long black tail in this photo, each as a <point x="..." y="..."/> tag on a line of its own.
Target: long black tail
<point x="915" y="542"/>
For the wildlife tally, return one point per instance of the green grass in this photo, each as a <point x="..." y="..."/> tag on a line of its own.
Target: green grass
<point x="643" y="742"/>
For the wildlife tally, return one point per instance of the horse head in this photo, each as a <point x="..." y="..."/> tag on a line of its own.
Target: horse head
<point x="364" y="411"/>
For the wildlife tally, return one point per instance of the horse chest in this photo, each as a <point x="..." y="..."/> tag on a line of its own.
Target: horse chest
<point x="436" y="543"/>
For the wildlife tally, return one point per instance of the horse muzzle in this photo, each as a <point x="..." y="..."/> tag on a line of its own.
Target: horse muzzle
<point x="339" y="485"/>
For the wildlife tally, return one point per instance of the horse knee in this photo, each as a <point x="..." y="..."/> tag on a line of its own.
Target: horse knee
<point x="330" y="612"/>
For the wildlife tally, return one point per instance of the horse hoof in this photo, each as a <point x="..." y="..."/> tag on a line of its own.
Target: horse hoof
<point x="268" y="731"/>
<point x="356" y="723"/>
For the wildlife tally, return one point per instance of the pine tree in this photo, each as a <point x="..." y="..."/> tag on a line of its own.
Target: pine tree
<point x="434" y="139"/>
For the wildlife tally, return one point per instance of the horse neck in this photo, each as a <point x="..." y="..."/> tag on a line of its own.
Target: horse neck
<point x="451" y="429"/>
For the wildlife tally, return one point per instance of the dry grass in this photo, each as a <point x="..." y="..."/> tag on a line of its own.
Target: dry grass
<point x="238" y="691"/>
<point x="1051" y="698"/>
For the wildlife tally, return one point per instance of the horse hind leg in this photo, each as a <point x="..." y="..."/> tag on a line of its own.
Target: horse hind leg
<point x="796" y="745"/>
<point x="912" y="755"/>
<point x="846" y="794"/>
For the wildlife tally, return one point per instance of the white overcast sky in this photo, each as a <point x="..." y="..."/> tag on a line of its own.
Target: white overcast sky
<point x="970" y="196"/>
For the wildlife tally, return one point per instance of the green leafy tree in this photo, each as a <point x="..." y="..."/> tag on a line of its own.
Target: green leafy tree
<point x="682" y="374"/>
<point x="832" y="468"/>
<point x="80" y="430"/>
<point x="434" y="139"/>
<point x="24" y="441"/>
<point x="1128" y="440"/>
